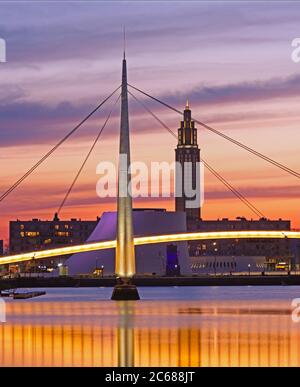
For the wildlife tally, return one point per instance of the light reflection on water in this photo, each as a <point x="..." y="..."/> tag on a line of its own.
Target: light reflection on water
<point x="71" y="327"/>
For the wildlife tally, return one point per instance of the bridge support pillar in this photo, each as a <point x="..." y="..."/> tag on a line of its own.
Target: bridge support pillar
<point x="125" y="253"/>
<point x="125" y="291"/>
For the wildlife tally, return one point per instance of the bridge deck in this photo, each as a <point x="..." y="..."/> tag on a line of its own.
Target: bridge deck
<point x="142" y="240"/>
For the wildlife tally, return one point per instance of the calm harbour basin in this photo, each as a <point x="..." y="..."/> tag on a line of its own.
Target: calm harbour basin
<point x="175" y="326"/>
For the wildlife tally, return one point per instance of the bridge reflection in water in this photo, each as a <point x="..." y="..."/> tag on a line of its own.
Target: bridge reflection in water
<point x="148" y="333"/>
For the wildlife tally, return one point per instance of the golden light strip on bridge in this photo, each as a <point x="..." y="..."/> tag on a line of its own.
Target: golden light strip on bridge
<point x="57" y="252"/>
<point x="149" y="240"/>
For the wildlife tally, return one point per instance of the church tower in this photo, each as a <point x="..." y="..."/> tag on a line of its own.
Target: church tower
<point x="187" y="151"/>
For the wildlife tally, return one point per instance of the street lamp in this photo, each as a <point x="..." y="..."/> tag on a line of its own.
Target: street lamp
<point x="249" y="268"/>
<point x="98" y="269"/>
<point x="33" y="264"/>
<point x="162" y="261"/>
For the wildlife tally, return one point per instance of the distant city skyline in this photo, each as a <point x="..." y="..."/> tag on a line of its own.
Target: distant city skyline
<point x="233" y="61"/>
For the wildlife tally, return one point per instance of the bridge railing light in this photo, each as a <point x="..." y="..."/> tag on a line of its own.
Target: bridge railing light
<point x="141" y="240"/>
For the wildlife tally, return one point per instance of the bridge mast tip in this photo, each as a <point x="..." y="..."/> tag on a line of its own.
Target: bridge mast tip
<point x="124" y="42"/>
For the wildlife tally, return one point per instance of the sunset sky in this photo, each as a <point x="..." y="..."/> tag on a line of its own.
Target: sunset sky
<point x="232" y="59"/>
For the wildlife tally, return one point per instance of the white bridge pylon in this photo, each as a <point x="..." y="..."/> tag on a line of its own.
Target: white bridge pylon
<point x="144" y="240"/>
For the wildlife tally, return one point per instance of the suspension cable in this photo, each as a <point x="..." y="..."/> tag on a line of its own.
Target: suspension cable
<point x="238" y="143"/>
<point x="35" y="166"/>
<point x="251" y="206"/>
<point x="254" y="209"/>
<point x="87" y="157"/>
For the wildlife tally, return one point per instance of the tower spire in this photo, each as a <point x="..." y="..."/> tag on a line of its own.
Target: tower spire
<point x="187" y="106"/>
<point x="124" y="42"/>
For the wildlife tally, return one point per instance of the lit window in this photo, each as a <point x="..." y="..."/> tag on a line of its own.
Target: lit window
<point x="32" y="233"/>
<point x="62" y="233"/>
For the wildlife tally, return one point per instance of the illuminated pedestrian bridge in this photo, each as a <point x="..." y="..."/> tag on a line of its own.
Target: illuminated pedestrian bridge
<point x="144" y="240"/>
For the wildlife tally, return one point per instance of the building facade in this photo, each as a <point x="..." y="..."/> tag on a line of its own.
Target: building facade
<point x="36" y="234"/>
<point x="273" y="250"/>
<point x="221" y="264"/>
<point x="187" y="152"/>
<point x="152" y="258"/>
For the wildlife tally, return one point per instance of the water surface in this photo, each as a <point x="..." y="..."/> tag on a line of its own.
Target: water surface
<point x="170" y="326"/>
